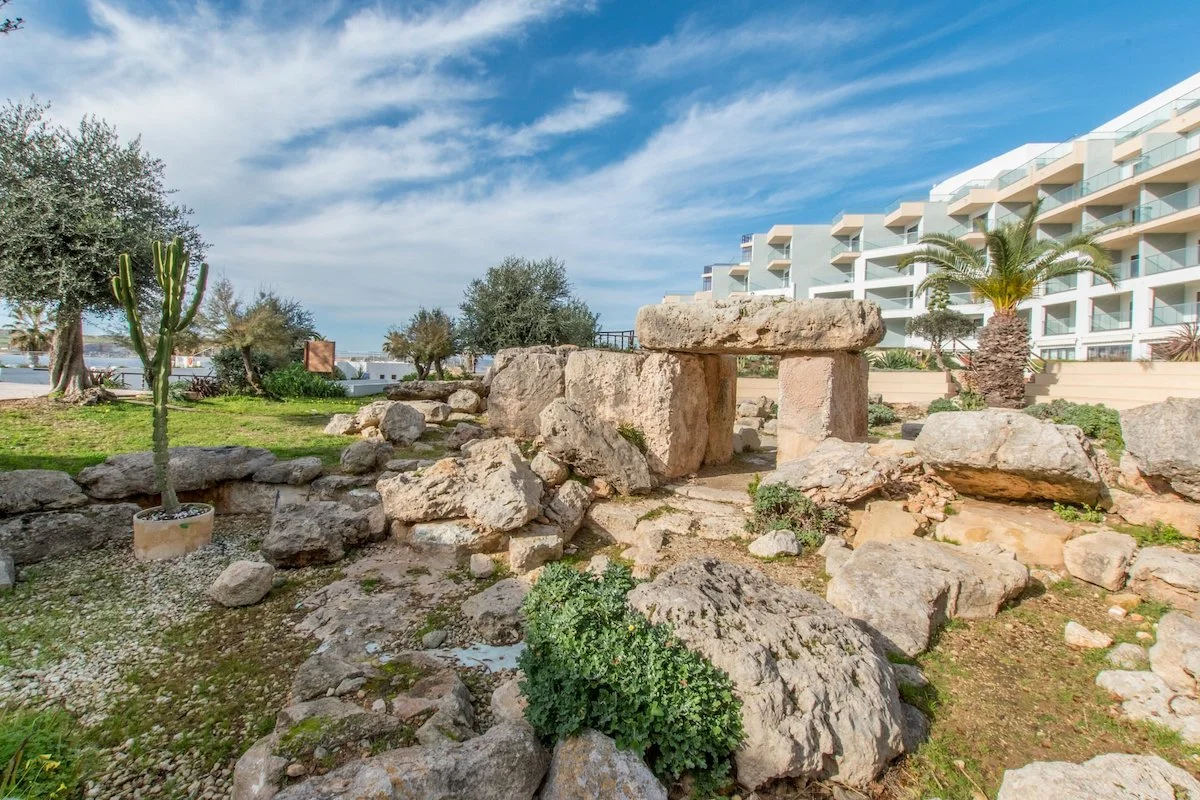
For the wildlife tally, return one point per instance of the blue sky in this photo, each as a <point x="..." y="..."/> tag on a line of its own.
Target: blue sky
<point x="370" y="158"/>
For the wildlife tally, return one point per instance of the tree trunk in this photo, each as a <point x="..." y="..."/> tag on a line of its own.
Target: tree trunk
<point x="251" y="375"/>
<point x="437" y="364"/>
<point x="1000" y="361"/>
<point x="68" y="374"/>
<point x="422" y="370"/>
<point x="33" y="358"/>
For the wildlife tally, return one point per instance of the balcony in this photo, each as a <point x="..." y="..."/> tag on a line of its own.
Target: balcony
<point x="1111" y="320"/>
<point x="832" y="278"/>
<point x="882" y="272"/>
<point x="1170" y="261"/>
<point x="889" y="302"/>
<point x="1059" y="285"/>
<point x="903" y="212"/>
<point x="779" y="258"/>
<point x="779" y="234"/>
<point x="1175" y="213"/>
<point x="1175" y="108"/>
<point x="1176" y="314"/>
<point x="1062" y="163"/>
<point x="971" y="197"/>
<point x="846" y="252"/>
<point x="963" y="299"/>
<point x="1058" y="326"/>
<point x="972" y="233"/>
<point x="845" y="224"/>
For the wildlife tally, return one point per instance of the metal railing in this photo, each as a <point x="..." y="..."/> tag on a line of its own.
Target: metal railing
<point x="780" y="253"/>
<point x="1111" y="320"/>
<point x="616" y="340"/>
<point x="977" y="225"/>
<point x="878" y="272"/>
<point x="838" y="217"/>
<point x="892" y="206"/>
<point x="1163" y="154"/>
<point x="962" y="299"/>
<point x="1053" y="154"/>
<point x="832" y="279"/>
<point x="1175" y="314"/>
<point x="846" y="247"/>
<point x="1012" y="176"/>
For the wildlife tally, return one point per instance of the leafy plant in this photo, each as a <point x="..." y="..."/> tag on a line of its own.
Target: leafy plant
<point x="942" y="404"/>
<point x="881" y="414"/>
<point x="633" y="434"/>
<point x="940" y="325"/>
<point x="295" y="381"/>
<point x="1097" y="422"/>
<point x="39" y="756"/>
<point x="30" y="330"/>
<point x="1084" y="513"/>
<point x="1157" y="534"/>
<point x="1183" y="344"/>
<point x="779" y="506"/>
<point x="760" y="366"/>
<point x="230" y="371"/>
<point x="427" y="341"/>
<point x="752" y="486"/>
<point x="965" y="401"/>
<point x="593" y="662"/>
<point x="896" y="359"/>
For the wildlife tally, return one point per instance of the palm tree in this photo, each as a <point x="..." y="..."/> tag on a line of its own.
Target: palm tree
<point x="29" y="332"/>
<point x="1006" y="271"/>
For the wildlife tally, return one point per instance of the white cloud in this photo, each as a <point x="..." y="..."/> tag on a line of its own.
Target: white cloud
<point x="587" y="110"/>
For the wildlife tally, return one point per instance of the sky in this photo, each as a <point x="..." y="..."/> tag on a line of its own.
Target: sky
<point x="372" y="158"/>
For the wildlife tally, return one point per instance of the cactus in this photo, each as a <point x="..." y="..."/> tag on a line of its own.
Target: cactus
<point x="171" y="271"/>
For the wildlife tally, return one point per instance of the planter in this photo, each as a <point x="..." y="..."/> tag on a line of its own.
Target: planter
<point x="161" y="539"/>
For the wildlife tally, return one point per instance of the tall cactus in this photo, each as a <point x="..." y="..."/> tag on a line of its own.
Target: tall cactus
<point x="171" y="264"/>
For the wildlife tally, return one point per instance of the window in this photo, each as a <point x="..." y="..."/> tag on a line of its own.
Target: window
<point x="707" y="283"/>
<point x="1057" y="353"/>
<point x="1110" y="352"/>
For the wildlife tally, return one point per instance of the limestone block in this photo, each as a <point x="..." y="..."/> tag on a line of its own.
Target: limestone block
<point x="820" y="396"/>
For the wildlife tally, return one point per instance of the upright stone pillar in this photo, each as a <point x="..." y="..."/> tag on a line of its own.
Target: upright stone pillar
<point x="821" y="395"/>
<point x="720" y="378"/>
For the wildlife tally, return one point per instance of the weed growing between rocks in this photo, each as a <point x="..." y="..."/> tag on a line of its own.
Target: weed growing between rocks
<point x="881" y="414"/>
<point x="633" y="434"/>
<point x="1159" y="534"/>
<point x="41" y="754"/>
<point x="782" y="507"/>
<point x="1082" y="513"/>
<point x="593" y="662"/>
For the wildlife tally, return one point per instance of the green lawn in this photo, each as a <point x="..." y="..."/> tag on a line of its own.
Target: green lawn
<point x="46" y="435"/>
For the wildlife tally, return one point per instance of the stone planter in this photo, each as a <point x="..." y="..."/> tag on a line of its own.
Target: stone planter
<point x="161" y="539"/>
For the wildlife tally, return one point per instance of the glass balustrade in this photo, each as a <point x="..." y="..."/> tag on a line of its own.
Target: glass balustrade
<point x="1110" y="320"/>
<point x="1170" y="261"/>
<point x="1175" y="314"/>
<point x="1061" y="284"/>
<point x="1059" y="326"/>
<point x="890" y="303"/>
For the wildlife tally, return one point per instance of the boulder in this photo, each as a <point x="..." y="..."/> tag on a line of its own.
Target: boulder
<point x="1128" y="656"/>
<point x="1010" y="455"/>
<point x="1166" y="575"/>
<point x="433" y="411"/>
<point x="25" y="490"/>
<point x="533" y="546"/>
<point x="567" y="506"/>
<point x="836" y="553"/>
<point x="464" y="432"/>
<point x="369" y="415"/>
<point x="1077" y="635"/>
<point x="342" y="425"/>
<point x="1147" y="510"/>
<point x="589" y="766"/>
<point x="322" y="672"/>
<point x="1037" y="536"/>
<point x="904" y="591"/>
<point x="551" y="471"/>
<point x="506" y="763"/>
<point x="319" y="532"/>
<point x="259" y="772"/>
<point x="508" y="704"/>
<point x="774" y="544"/>
<point x="28" y="538"/>
<point x="458" y="536"/>
<point x="8" y="572"/>
<point x="407" y="464"/>
<point x="242" y="583"/>
<point x="821" y="396"/>
<point x="481" y="566"/>
<point x="836" y="472"/>
<point x="296" y="472"/>
<point x="333" y="487"/>
<point x="1146" y="697"/>
<point x="1100" y="558"/>
<point x="523" y="383"/>
<point x="885" y="521"/>
<point x="434" y="390"/>
<point x="594" y="447"/>
<point x="818" y="699"/>
<point x="773" y="325"/>
<point x="1154" y="437"/>
<point x="496" y="611"/>
<point x="401" y="424"/>
<point x="192" y="468"/>
<point x="1115" y="776"/>
<point x="365" y="456"/>
<point x="464" y="401"/>
<point x="1175" y="656"/>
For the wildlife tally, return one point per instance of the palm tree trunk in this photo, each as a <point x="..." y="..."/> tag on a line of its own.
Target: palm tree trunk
<point x="1000" y="361"/>
<point x="68" y="374"/>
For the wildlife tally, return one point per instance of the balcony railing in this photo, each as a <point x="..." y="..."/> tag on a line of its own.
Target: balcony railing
<point x="1122" y="270"/>
<point x="1161" y="155"/>
<point x="838" y="216"/>
<point x="1165" y="206"/>
<point x="878" y="272"/>
<point x="1101" y="180"/>
<point x="849" y="247"/>
<point x="892" y="206"/>
<point x="1111" y="320"/>
<point x="1053" y="154"/>
<point x="979" y="224"/>
<point x="962" y="299"/>
<point x="966" y="188"/>
<point x="1126" y="216"/>
<point x="1170" y="261"/>
<point x="1177" y="314"/>
<point x="779" y="253"/>
<point x="1012" y="216"/>
<point x="890" y="303"/>
<point x="1058" y="327"/>
<point x="1062" y="284"/>
<point x="1062" y="196"/>
<point x="1159" y="115"/>
<point x="832" y="278"/>
<point x="1012" y="176"/>
<point x="747" y="238"/>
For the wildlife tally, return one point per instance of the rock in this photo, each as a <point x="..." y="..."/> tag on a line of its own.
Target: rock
<point x="909" y="675"/>
<point x="481" y="566"/>
<point x="1077" y="635"/>
<point x="192" y="468"/>
<point x="598" y="565"/>
<point x="319" y="532"/>
<point x="747" y="438"/>
<point x="296" y="472"/>
<point x="342" y="425"/>
<point x="29" y="538"/>
<point x="496" y="611"/>
<point x="552" y="471"/>
<point x="243" y="583"/>
<point x="454" y="717"/>
<point x="885" y="521"/>
<point x="434" y="390"/>
<point x="8" y="572"/>
<point x="753" y="423"/>
<point x="464" y="432"/>
<point x="523" y="383"/>
<point x="836" y="552"/>
<point x="1163" y="574"/>
<point x="333" y="487"/>
<point x="909" y="431"/>
<point x="533" y="546"/>
<point x="594" y="448"/>
<point x="506" y="763"/>
<point x="1010" y="455"/>
<point x="1175" y="656"/>
<point x="821" y="396"/>
<point x="818" y="699"/>
<point x="508" y="704"/>
<point x="1100" y="558"/>
<point x="757" y="407"/>
<point x="321" y="672"/>
<point x="1153" y="436"/>
<point x="916" y="727"/>
<point x="459" y="536"/>
<point x="775" y="543"/>
<point x="464" y="401"/>
<point x="741" y="326"/>
<point x="365" y="456"/>
<point x="1035" y="535"/>
<point x="433" y="639"/>
<point x="1146" y="510"/>
<point x="371" y="433"/>
<point x="905" y="590"/>
<point x="567" y="507"/>
<point x="25" y="490"/>
<point x="589" y="766"/>
<point x="259" y="772"/>
<point x="432" y="410"/>
<point x="1128" y="656"/>
<point x="1107" y="777"/>
<point x="1126" y="600"/>
<point x="770" y="427"/>
<point x="401" y="424"/>
<point x="836" y="471"/>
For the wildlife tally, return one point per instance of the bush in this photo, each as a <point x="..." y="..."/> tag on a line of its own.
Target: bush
<point x="880" y="414"/>
<point x="758" y="366"/>
<point x="39" y="755"/>
<point x="230" y="372"/>
<point x="894" y="359"/>
<point x="966" y="401"/>
<point x="779" y="506"/>
<point x="1084" y="513"/>
<point x="593" y="662"/>
<point x="1097" y="422"/>
<point x="943" y="404"/>
<point x="295" y="381"/>
<point x="1156" y="535"/>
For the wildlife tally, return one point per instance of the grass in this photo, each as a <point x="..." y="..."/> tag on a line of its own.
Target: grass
<point x="41" y="754"/>
<point x="45" y="435"/>
<point x="1157" y="535"/>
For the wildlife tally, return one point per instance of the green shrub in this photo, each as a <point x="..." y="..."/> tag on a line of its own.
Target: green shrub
<point x="779" y="506"/>
<point x="942" y="404"/>
<point x="969" y="401"/>
<point x="1083" y="513"/>
<point x="633" y="434"/>
<point x="593" y="662"/>
<point x="230" y="372"/>
<point x="1155" y="535"/>
<point x="880" y="414"/>
<point x="40" y="755"/>
<point x="295" y="381"/>
<point x="894" y="359"/>
<point x="1098" y="422"/>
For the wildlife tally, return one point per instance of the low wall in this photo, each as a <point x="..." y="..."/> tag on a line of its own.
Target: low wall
<point x="896" y="387"/>
<point x="1116" y="384"/>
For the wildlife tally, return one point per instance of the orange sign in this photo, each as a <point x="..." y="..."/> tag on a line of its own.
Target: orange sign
<point x="319" y="356"/>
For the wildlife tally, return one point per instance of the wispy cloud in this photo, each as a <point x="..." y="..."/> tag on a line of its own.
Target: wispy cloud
<point x="586" y="110"/>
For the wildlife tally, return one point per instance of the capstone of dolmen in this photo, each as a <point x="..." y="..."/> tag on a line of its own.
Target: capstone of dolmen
<point x="760" y="325"/>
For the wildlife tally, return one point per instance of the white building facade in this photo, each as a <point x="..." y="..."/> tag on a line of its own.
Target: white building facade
<point x="1141" y="170"/>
